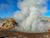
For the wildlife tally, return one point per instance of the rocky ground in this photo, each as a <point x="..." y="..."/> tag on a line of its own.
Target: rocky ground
<point x="24" y="35"/>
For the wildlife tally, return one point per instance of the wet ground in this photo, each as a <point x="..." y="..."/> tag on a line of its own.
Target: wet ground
<point x="23" y="35"/>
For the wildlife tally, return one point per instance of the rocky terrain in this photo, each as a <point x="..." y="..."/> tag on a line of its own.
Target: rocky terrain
<point x="28" y="35"/>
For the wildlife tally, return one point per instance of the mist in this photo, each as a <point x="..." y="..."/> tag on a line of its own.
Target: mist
<point x="30" y="17"/>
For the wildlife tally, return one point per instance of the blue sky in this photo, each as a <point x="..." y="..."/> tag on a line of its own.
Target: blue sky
<point x="48" y="7"/>
<point x="7" y="7"/>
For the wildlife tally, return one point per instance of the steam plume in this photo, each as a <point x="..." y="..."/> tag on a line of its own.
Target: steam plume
<point x="29" y="16"/>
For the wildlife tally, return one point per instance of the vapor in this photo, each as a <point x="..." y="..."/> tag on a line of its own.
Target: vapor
<point x="30" y="16"/>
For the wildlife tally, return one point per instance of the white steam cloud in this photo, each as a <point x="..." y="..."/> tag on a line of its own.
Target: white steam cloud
<point x="29" y="18"/>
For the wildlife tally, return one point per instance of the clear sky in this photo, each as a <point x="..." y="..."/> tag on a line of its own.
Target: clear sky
<point x="7" y="7"/>
<point x="48" y="7"/>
